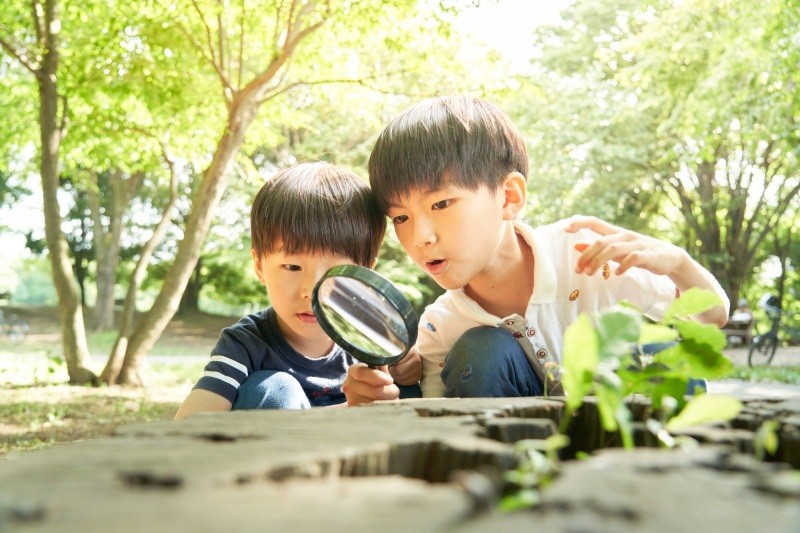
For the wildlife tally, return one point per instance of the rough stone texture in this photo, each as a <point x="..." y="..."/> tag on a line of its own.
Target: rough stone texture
<point x="401" y="466"/>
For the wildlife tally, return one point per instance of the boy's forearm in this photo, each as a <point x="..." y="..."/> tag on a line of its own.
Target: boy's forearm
<point x="691" y="274"/>
<point x="202" y="401"/>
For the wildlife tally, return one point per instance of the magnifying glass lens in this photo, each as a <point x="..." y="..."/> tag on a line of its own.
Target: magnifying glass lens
<point x="363" y="316"/>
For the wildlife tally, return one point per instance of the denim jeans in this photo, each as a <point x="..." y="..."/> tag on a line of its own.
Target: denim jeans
<point x="269" y="389"/>
<point x="489" y="362"/>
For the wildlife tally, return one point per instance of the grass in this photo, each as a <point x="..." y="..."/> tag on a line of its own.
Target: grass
<point x="47" y="411"/>
<point x="773" y="374"/>
<point x="38" y="409"/>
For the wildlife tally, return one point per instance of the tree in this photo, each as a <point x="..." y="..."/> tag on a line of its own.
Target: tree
<point x="228" y="38"/>
<point x="731" y="123"/>
<point x="686" y="100"/>
<point x="39" y="52"/>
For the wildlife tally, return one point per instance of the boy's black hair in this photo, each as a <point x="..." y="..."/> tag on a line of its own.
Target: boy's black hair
<point x="471" y="140"/>
<point x="317" y="208"/>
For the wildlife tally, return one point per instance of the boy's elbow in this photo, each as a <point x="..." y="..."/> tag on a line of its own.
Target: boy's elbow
<point x="717" y="316"/>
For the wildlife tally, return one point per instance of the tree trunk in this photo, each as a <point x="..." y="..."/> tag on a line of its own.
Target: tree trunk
<point x="113" y="367"/>
<point x="215" y="179"/>
<point x="107" y="242"/>
<point x="76" y="351"/>
<point x="301" y="20"/>
<point x="190" y="300"/>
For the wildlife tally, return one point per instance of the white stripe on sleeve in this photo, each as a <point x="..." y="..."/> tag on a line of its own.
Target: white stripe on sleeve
<point x="230" y="362"/>
<point x="222" y="377"/>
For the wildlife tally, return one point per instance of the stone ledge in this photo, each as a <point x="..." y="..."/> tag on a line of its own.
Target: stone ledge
<point x="396" y="466"/>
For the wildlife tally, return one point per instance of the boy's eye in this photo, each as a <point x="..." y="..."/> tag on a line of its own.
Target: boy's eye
<point x="292" y="268"/>
<point x="399" y="219"/>
<point x="442" y="204"/>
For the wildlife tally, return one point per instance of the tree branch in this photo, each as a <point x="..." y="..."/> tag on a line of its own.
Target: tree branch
<point x="227" y="90"/>
<point x="21" y="57"/>
<point x="36" y="15"/>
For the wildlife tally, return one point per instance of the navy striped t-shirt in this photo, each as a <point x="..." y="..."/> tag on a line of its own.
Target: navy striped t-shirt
<point x="257" y="343"/>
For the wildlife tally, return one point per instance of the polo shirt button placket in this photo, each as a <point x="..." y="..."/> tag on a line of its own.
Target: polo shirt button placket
<point x="514" y="326"/>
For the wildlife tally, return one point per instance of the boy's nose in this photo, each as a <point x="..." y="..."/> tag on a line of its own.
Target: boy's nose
<point x="423" y="234"/>
<point x="307" y="287"/>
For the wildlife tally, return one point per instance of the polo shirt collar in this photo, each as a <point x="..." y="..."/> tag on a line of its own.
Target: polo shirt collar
<point x="544" y="272"/>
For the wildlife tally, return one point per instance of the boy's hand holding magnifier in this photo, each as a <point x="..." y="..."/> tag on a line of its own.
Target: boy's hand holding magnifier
<point x="367" y="316"/>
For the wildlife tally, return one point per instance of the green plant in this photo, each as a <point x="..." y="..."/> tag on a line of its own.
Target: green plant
<point x="604" y="357"/>
<point x="537" y="466"/>
<point x="598" y="359"/>
<point x="766" y="440"/>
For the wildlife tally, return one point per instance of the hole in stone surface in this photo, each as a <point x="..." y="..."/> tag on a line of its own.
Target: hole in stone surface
<point x="150" y="479"/>
<point x="431" y="461"/>
<point x="218" y="437"/>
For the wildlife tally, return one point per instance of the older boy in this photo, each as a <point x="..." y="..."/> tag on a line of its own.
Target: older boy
<point x="451" y="175"/>
<point x="304" y="220"/>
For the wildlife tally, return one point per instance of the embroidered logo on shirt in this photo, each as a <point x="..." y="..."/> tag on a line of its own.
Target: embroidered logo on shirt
<point x="430" y="326"/>
<point x="606" y="271"/>
<point x="317" y="394"/>
<point x="517" y="335"/>
<point x="466" y="374"/>
<point x="574" y="295"/>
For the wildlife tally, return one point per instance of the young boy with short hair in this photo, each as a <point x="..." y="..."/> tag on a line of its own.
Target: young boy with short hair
<point x="304" y="221"/>
<point x="451" y="175"/>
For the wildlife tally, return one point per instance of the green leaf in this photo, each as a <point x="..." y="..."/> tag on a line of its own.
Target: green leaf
<point x="617" y="332"/>
<point x="523" y="499"/>
<point x="705" y="409"/>
<point x="581" y="357"/>
<point x="692" y="359"/>
<point x="692" y="302"/>
<point x="766" y="440"/>
<point x="707" y="334"/>
<point x="669" y="388"/>
<point x="608" y="403"/>
<point x="656" y="333"/>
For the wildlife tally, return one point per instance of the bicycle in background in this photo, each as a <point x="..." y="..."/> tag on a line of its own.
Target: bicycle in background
<point x="13" y="327"/>
<point x="763" y="346"/>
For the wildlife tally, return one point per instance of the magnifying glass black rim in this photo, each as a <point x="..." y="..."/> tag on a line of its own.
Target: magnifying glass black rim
<point x="383" y="286"/>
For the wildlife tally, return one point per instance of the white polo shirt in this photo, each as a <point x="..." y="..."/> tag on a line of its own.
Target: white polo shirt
<point x="559" y="296"/>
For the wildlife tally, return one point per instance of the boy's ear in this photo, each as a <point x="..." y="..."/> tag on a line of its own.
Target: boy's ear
<point x="257" y="266"/>
<point x="515" y="189"/>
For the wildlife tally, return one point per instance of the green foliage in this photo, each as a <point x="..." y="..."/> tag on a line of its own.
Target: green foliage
<point x="705" y="409"/>
<point x="766" y="440"/>
<point x="537" y="466"/>
<point x="599" y="358"/>
<point x="602" y="357"/>
<point x="35" y="286"/>
<point x="671" y="118"/>
<point x="766" y="374"/>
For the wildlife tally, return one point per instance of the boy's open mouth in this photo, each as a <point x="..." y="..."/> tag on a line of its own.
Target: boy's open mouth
<point x="436" y="266"/>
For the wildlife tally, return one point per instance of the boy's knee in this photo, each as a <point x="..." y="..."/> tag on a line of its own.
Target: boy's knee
<point x="488" y="362"/>
<point x="267" y="389"/>
<point x="475" y="345"/>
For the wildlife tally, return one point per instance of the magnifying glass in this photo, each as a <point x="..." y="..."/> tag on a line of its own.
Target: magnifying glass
<point x="365" y="314"/>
